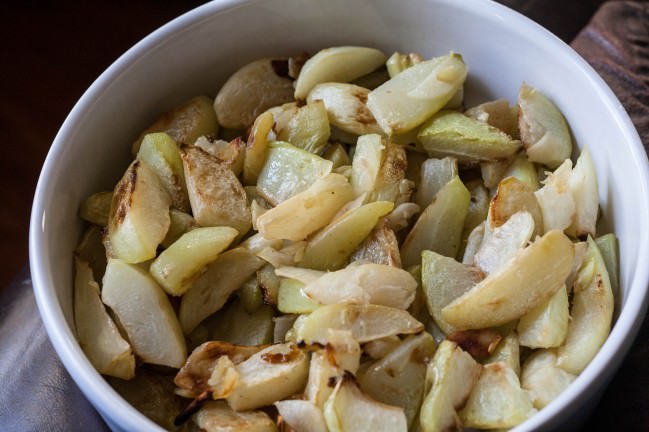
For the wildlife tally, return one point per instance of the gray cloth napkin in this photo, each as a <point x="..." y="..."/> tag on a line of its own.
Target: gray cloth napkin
<point x="37" y="393"/>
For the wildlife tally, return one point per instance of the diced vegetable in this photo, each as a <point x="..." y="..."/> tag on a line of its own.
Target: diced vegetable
<point x="607" y="245"/>
<point x="330" y="248"/>
<point x="350" y="410"/>
<point x="257" y="148"/>
<point x="193" y="377"/>
<point x="543" y="129"/>
<point x="288" y="171"/>
<point x="444" y="280"/>
<point x="583" y="185"/>
<point x="234" y="324"/>
<point x="504" y="242"/>
<point x="250" y="295"/>
<point x="439" y="227"/>
<point x="366" y="163"/>
<point x="215" y="194"/>
<point x="161" y="153"/>
<point x="301" y="416"/>
<point x="591" y="313"/>
<point x="507" y="352"/>
<point x="145" y="313"/>
<point x="216" y="416"/>
<point x="308" y="129"/>
<point x="292" y="299"/>
<point x="434" y="175"/>
<point x="513" y="196"/>
<point x="397" y="62"/>
<point x="232" y="153"/>
<point x="530" y="278"/>
<point x="450" y="377"/>
<point x="338" y="156"/>
<point x="98" y="335"/>
<point x="179" y="224"/>
<point x="497" y="400"/>
<point x="366" y="322"/>
<point x="338" y="64"/>
<point x="380" y="247"/>
<point x="556" y="199"/>
<point x="450" y="133"/>
<point x="345" y="105"/>
<point x="185" y="122"/>
<point x="307" y="211"/>
<point x="364" y="284"/>
<point x="177" y="266"/>
<point x="498" y="114"/>
<point x="250" y="91"/>
<point x="543" y="379"/>
<point x="398" y="378"/>
<point x="407" y="100"/>
<point x="139" y="214"/>
<point x="546" y="325"/>
<point x="211" y="289"/>
<point x="272" y="374"/>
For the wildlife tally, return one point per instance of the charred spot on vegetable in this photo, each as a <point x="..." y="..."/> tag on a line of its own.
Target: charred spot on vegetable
<point x="295" y="64"/>
<point x="123" y="194"/>
<point x="420" y="355"/>
<point x="198" y="367"/>
<point x="192" y="408"/>
<point x="346" y="376"/>
<point x="279" y="358"/>
<point x="364" y="116"/>
<point x="281" y="68"/>
<point x="479" y="343"/>
<point x="267" y="296"/>
<point x="312" y="347"/>
<point x="330" y="351"/>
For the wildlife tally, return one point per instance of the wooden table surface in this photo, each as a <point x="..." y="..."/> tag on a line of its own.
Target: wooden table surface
<point x="52" y="51"/>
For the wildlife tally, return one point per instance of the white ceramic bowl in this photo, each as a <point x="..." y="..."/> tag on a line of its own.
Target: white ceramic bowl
<point x="197" y="51"/>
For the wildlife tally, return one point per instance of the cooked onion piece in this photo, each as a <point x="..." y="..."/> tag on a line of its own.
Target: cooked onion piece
<point x="348" y="409"/>
<point x="177" y="266"/>
<point x="365" y="284"/>
<point x="272" y="374"/>
<point x="366" y="322"/>
<point x="409" y="98"/>
<point x="543" y="129"/>
<point x="398" y="378"/>
<point x="307" y="211"/>
<point x="497" y="400"/>
<point x="338" y="64"/>
<point x="591" y="313"/>
<point x="529" y="279"/>
<point x="450" y="378"/>
<point x="216" y="416"/>
<point x="145" y="313"/>
<point x="97" y="333"/>
<point x="543" y="379"/>
<point x="301" y="415"/>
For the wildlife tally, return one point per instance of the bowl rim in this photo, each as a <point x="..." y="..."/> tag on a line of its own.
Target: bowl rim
<point x="112" y="406"/>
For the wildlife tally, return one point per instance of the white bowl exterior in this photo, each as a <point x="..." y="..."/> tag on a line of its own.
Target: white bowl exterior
<point x="196" y="52"/>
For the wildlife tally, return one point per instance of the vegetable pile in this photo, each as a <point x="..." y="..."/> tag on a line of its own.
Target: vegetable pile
<point x="337" y="243"/>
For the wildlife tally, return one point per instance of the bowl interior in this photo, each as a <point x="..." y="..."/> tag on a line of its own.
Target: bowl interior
<point x="197" y="52"/>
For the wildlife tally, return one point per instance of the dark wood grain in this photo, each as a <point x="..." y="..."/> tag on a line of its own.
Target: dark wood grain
<point x="51" y="52"/>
